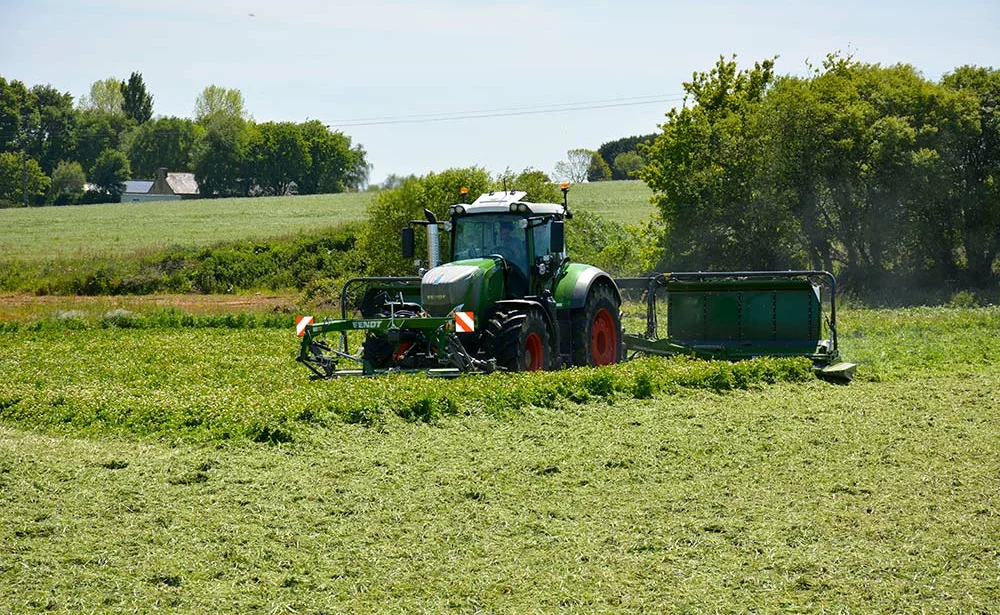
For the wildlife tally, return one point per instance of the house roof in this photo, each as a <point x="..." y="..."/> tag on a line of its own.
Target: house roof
<point x="138" y="186"/>
<point x="182" y="183"/>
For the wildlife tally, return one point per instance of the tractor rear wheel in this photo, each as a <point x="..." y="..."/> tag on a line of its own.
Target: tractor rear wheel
<point x="597" y="329"/>
<point x="519" y="340"/>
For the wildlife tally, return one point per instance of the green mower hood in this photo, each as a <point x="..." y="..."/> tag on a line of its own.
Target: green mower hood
<point x="471" y="283"/>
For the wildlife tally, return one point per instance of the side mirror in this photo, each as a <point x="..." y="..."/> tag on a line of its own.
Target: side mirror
<point x="407" y="240"/>
<point x="557" y="238"/>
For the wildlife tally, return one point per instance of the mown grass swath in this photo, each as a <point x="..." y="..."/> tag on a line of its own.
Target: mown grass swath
<point x="240" y="383"/>
<point x="129" y="478"/>
<point x="167" y="374"/>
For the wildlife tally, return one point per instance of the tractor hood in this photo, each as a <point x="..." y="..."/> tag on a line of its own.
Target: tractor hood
<point x="466" y="283"/>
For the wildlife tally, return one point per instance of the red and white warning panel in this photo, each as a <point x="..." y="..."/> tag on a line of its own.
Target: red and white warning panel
<point x="301" y="322"/>
<point x="465" y="322"/>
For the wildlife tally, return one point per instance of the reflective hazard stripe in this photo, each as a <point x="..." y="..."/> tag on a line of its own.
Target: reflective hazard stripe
<point x="465" y="322"/>
<point x="301" y="322"/>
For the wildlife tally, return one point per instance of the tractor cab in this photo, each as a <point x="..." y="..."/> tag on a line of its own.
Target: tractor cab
<point x="528" y="237"/>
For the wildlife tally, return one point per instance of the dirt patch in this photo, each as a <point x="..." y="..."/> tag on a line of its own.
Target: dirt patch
<point x="19" y="306"/>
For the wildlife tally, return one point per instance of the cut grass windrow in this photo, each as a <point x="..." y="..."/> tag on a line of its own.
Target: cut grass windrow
<point x="172" y="375"/>
<point x="225" y="384"/>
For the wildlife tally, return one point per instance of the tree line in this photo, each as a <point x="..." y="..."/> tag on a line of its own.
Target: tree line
<point x="50" y="148"/>
<point x="615" y="160"/>
<point x="875" y="173"/>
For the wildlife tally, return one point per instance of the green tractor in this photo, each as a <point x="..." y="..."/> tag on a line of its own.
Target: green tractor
<point x="507" y="299"/>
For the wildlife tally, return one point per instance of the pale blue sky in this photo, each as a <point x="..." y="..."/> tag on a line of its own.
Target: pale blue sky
<point x="516" y="62"/>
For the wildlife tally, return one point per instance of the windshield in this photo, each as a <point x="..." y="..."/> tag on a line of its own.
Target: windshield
<point x="482" y="235"/>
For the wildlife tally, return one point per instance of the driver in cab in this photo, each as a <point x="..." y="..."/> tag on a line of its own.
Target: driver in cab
<point x="512" y="241"/>
<point x="514" y="249"/>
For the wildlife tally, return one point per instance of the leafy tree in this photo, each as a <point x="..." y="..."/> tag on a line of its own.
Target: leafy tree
<point x="871" y="172"/>
<point x="215" y="100"/>
<point x="97" y="131"/>
<point x="393" y="181"/>
<point x="110" y="173"/>
<point x="164" y="142"/>
<point x="278" y="156"/>
<point x="40" y="121"/>
<point x="221" y="155"/>
<point x="21" y="180"/>
<point x="105" y="97"/>
<point x="976" y="193"/>
<point x="331" y="159"/>
<point x="390" y="210"/>
<point x="863" y="157"/>
<point x="68" y="181"/>
<point x="359" y="169"/>
<point x="706" y="173"/>
<point x="576" y="165"/>
<point x="54" y="136"/>
<point x="598" y="170"/>
<point x="627" y="165"/>
<point x="136" y="102"/>
<point x="611" y="150"/>
<point x="537" y="184"/>
<point x="16" y="108"/>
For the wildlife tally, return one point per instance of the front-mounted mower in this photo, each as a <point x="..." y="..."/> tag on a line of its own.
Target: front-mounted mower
<point x="509" y="299"/>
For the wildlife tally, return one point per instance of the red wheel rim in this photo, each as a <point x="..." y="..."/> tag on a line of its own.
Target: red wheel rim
<point x="603" y="339"/>
<point x="533" y="352"/>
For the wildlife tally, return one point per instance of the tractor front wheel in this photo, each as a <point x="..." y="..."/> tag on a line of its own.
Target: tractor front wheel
<point x="519" y="341"/>
<point x="379" y="351"/>
<point x="597" y="330"/>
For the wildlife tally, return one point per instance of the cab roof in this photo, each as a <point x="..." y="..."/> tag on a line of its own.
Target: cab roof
<point x="500" y="202"/>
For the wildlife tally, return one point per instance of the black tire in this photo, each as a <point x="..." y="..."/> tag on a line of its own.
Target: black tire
<point x="597" y="329"/>
<point x="378" y="350"/>
<point x="519" y="340"/>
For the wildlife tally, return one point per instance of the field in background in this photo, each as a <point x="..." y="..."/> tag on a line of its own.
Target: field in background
<point x="57" y="233"/>
<point x="626" y="202"/>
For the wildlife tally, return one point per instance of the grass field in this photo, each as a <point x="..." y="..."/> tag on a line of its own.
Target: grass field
<point x="168" y="454"/>
<point x="60" y="233"/>
<point x="626" y="202"/>
<point x="55" y="233"/>
<point x="120" y="493"/>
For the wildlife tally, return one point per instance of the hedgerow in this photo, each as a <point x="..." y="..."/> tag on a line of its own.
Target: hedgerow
<point x="274" y="264"/>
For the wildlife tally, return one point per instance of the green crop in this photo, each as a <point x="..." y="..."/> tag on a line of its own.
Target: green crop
<point x="232" y="381"/>
<point x="199" y="470"/>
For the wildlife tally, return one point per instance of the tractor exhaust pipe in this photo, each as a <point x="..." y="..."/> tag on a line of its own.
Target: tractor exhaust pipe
<point x="433" y="242"/>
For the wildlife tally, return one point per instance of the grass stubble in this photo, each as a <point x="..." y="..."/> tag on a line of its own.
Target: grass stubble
<point x="880" y="496"/>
